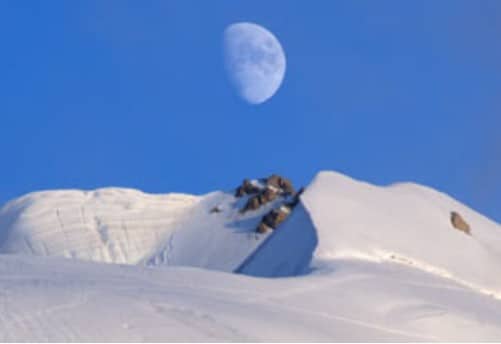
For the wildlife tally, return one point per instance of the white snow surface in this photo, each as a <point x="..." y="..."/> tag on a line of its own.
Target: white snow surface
<point x="406" y="223"/>
<point x="107" y="225"/>
<point x="127" y="226"/>
<point x="364" y="263"/>
<point x="55" y="299"/>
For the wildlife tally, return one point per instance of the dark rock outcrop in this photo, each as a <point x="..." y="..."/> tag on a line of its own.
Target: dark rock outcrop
<point x="262" y="228"/>
<point x="459" y="223"/>
<point x="247" y="188"/>
<point x="252" y="204"/>
<point x="268" y="195"/>
<point x="263" y="197"/>
<point x="267" y="190"/>
<point x="276" y="216"/>
<point x="280" y="183"/>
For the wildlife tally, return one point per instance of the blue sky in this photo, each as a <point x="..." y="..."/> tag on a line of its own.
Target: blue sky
<point x="134" y="94"/>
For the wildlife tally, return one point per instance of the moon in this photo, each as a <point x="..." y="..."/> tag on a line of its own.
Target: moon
<point x="254" y="60"/>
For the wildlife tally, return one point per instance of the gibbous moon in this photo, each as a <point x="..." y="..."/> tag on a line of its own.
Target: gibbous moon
<point x="255" y="61"/>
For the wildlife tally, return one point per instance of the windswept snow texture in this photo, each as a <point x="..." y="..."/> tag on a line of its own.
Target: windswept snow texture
<point x="130" y="227"/>
<point x="107" y="225"/>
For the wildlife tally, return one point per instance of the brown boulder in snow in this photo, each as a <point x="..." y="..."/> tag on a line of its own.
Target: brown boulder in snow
<point x="262" y="228"/>
<point x="265" y="196"/>
<point x="459" y="223"/>
<point x="275" y="217"/>
<point x="268" y="195"/>
<point x="247" y="188"/>
<point x="274" y="180"/>
<point x="281" y="183"/>
<point x="266" y="191"/>
<point x="252" y="204"/>
<point x="287" y="187"/>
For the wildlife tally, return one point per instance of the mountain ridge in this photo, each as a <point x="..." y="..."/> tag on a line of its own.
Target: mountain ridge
<point x="112" y="222"/>
<point x="361" y="263"/>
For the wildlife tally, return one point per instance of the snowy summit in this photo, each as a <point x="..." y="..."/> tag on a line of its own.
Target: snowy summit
<point x="340" y="260"/>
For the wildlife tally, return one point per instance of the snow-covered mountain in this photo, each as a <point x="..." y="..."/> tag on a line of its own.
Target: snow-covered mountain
<point x="107" y="225"/>
<point x="130" y="227"/>
<point x="362" y="262"/>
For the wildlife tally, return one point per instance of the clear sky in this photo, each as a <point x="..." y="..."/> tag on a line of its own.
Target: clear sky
<point x="134" y="94"/>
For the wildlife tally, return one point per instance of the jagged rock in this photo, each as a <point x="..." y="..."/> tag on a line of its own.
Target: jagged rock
<point x="252" y="204"/>
<point x="275" y="217"/>
<point x="273" y="180"/>
<point x="265" y="196"/>
<point x="281" y="183"/>
<point x="262" y="228"/>
<point x="268" y="195"/>
<point x="287" y="187"/>
<point x="247" y="188"/>
<point x="275" y="186"/>
<point x="459" y="223"/>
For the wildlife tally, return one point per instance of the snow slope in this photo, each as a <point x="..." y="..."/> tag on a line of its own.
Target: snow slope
<point x="54" y="299"/>
<point x="365" y="263"/>
<point x="219" y="241"/>
<point x="407" y="223"/>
